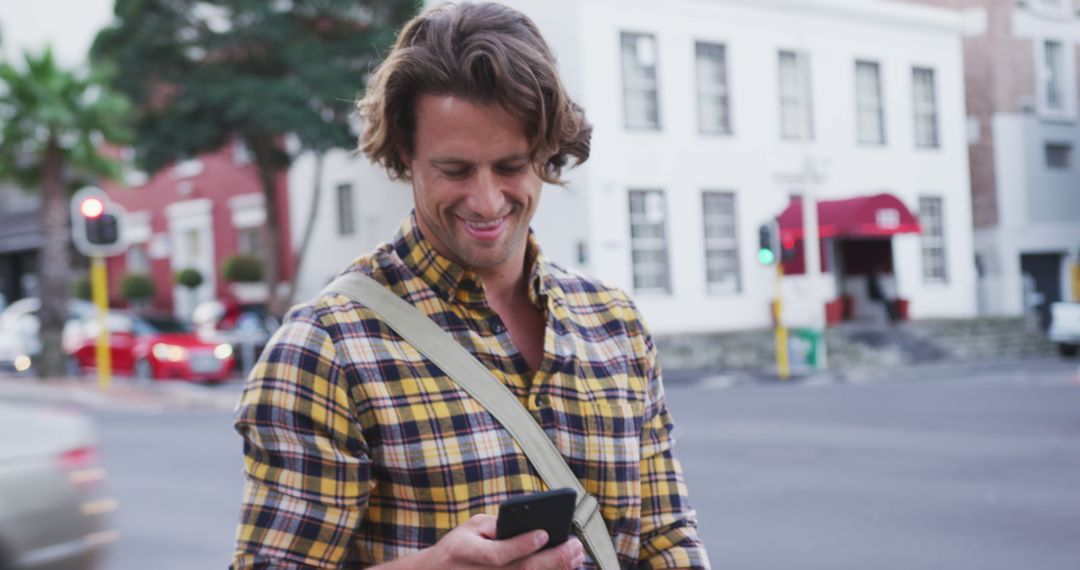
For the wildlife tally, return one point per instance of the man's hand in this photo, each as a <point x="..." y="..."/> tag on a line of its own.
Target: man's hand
<point x="472" y="546"/>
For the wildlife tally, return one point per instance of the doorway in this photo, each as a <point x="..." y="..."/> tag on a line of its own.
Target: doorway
<point x="1041" y="273"/>
<point x="858" y="262"/>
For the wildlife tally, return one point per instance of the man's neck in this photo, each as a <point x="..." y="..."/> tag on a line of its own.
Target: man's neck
<point x="505" y="286"/>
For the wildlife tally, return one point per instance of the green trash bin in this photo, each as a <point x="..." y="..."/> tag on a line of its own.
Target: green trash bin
<point x="804" y="348"/>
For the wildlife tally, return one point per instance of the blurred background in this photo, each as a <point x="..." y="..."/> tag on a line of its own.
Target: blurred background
<point x="852" y="225"/>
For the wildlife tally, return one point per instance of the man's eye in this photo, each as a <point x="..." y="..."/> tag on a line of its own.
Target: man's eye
<point x="512" y="168"/>
<point x="457" y="173"/>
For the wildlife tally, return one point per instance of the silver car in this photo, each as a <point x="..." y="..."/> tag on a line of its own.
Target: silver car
<point x="53" y="511"/>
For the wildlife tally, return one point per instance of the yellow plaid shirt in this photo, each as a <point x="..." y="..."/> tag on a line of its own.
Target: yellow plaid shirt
<point x="359" y="451"/>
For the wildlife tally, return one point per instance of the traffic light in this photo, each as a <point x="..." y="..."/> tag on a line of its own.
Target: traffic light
<point x="789" y="248"/>
<point x="97" y="224"/>
<point x="767" y="243"/>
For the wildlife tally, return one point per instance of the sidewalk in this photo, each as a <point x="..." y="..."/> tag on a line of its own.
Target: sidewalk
<point x="123" y="394"/>
<point x="1012" y="370"/>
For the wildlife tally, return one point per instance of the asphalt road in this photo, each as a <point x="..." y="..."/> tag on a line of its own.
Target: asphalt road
<point x="972" y="467"/>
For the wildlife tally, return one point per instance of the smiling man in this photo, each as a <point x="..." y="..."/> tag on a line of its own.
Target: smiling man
<point x="359" y="451"/>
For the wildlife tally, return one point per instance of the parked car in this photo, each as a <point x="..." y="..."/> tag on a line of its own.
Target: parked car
<point x="1065" y="328"/>
<point x="150" y="346"/>
<point x="20" y="343"/>
<point x="240" y="325"/>
<point x="53" y="512"/>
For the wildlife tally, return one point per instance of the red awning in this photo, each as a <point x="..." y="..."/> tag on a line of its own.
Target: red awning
<point x="866" y="216"/>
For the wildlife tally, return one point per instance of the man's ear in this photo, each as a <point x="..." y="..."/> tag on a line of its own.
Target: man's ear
<point x="405" y="156"/>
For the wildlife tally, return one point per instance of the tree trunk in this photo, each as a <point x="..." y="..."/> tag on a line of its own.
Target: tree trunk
<point x="309" y="227"/>
<point x="263" y="147"/>
<point x="55" y="265"/>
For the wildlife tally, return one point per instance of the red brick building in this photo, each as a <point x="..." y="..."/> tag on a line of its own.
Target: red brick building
<point x="195" y="214"/>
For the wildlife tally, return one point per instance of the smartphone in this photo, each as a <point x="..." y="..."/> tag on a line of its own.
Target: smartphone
<point x="550" y="511"/>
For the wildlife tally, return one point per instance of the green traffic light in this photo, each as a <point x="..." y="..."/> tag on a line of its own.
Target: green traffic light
<point x="766" y="256"/>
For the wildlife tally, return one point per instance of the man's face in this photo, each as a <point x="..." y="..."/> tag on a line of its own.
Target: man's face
<point x="474" y="186"/>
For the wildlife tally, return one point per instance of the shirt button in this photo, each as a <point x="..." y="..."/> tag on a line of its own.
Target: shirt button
<point x="540" y="401"/>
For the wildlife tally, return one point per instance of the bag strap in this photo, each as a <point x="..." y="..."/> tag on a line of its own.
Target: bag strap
<point x="440" y="348"/>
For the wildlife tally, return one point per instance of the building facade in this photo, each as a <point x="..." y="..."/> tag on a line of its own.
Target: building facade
<point x="710" y="117"/>
<point x="195" y="214"/>
<point x="1023" y="84"/>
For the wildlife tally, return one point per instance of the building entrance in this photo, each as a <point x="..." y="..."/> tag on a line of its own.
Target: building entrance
<point x="1042" y="283"/>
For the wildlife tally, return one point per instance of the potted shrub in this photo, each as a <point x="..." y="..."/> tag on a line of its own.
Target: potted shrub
<point x="244" y="272"/>
<point x="80" y="289"/>
<point x="136" y="288"/>
<point x="189" y="278"/>
<point x="242" y="268"/>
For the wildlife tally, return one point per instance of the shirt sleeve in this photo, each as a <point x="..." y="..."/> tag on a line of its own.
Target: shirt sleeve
<point x="669" y="533"/>
<point x="307" y="467"/>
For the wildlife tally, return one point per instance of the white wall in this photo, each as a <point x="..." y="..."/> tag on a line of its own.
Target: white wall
<point x="754" y="162"/>
<point x="379" y="207"/>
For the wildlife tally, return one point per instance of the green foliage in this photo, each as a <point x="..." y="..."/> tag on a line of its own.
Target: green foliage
<point x="189" y="277"/>
<point x="202" y="72"/>
<point x="80" y="289"/>
<point x="42" y="103"/>
<point x="242" y="268"/>
<point x="137" y="287"/>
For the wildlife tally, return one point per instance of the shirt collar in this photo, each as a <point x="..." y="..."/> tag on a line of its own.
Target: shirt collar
<point x="453" y="282"/>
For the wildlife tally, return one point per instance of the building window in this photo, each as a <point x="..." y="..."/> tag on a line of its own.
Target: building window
<point x="714" y="114"/>
<point x="249" y="241"/>
<point x="870" y="108"/>
<point x="1058" y="156"/>
<point x="346" y="225"/>
<point x="932" y="219"/>
<point x="241" y="152"/>
<point x="1055" y="81"/>
<point x="640" y="87"/>
<point x="648" y="241"/>
<point x="137" y="260"/>
<point x="796" y="106"/>
<point x="924" y="101"/>
<point x="721" y="242"/>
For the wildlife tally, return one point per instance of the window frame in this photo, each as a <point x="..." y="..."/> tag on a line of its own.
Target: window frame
<point x="933" y="246"/>
<point x="800" y="99"/>
<point x="724" y="244"/>
<point x="925" y="110"/>
<point x="718" y="89"/>
<point x="346" y="213"/>
<point x="649" y="244"/>
<point x="869" y="104"/>
<point x="651" y="87"/>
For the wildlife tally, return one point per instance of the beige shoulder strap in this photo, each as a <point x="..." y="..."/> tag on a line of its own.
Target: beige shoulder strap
<point x="441" y="348"/>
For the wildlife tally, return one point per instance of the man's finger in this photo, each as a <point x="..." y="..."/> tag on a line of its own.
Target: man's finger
<point x="504" y="552"/>
<point x="567" y="556"/>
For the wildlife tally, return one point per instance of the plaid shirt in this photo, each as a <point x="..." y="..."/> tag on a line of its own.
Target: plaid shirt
<point x="359" y="451"/>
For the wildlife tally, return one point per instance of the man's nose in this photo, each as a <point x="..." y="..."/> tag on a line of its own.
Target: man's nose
<point x="487" y="198"/>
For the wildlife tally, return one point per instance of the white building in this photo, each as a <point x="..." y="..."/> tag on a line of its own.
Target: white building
<point x="1023" y="83"/>
<point x="710" y="115"/>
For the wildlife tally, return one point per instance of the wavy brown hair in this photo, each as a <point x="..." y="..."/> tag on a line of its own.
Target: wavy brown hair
<point x="482" y="52"/>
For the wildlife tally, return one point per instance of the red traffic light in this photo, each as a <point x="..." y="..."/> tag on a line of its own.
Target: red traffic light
<point x="91" y="208"/>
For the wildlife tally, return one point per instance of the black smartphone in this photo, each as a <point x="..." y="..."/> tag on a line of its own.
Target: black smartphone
<point x="551" y="511"/>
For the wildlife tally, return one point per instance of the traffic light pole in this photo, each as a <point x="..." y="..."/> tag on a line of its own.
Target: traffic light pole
<point x="783" y="366"/>
<point x="99" y="288"/>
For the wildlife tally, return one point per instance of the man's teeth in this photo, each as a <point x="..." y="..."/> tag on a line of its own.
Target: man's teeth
<point x="484" y="225"/>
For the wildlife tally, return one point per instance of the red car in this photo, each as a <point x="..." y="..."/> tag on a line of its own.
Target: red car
<point x="150" y="347"/>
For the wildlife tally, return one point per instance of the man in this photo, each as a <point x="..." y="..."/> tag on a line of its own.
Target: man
<point x="359" y="451"/>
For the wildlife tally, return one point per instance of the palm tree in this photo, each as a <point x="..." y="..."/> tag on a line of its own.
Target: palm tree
<point x="53" y="123"/>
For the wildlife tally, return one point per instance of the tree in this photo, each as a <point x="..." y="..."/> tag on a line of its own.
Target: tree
<point x="203" y="72"/>
<point x="52" y="124"/>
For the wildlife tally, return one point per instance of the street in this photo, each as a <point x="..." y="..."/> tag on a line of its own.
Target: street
<point x="958" y="467"/>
